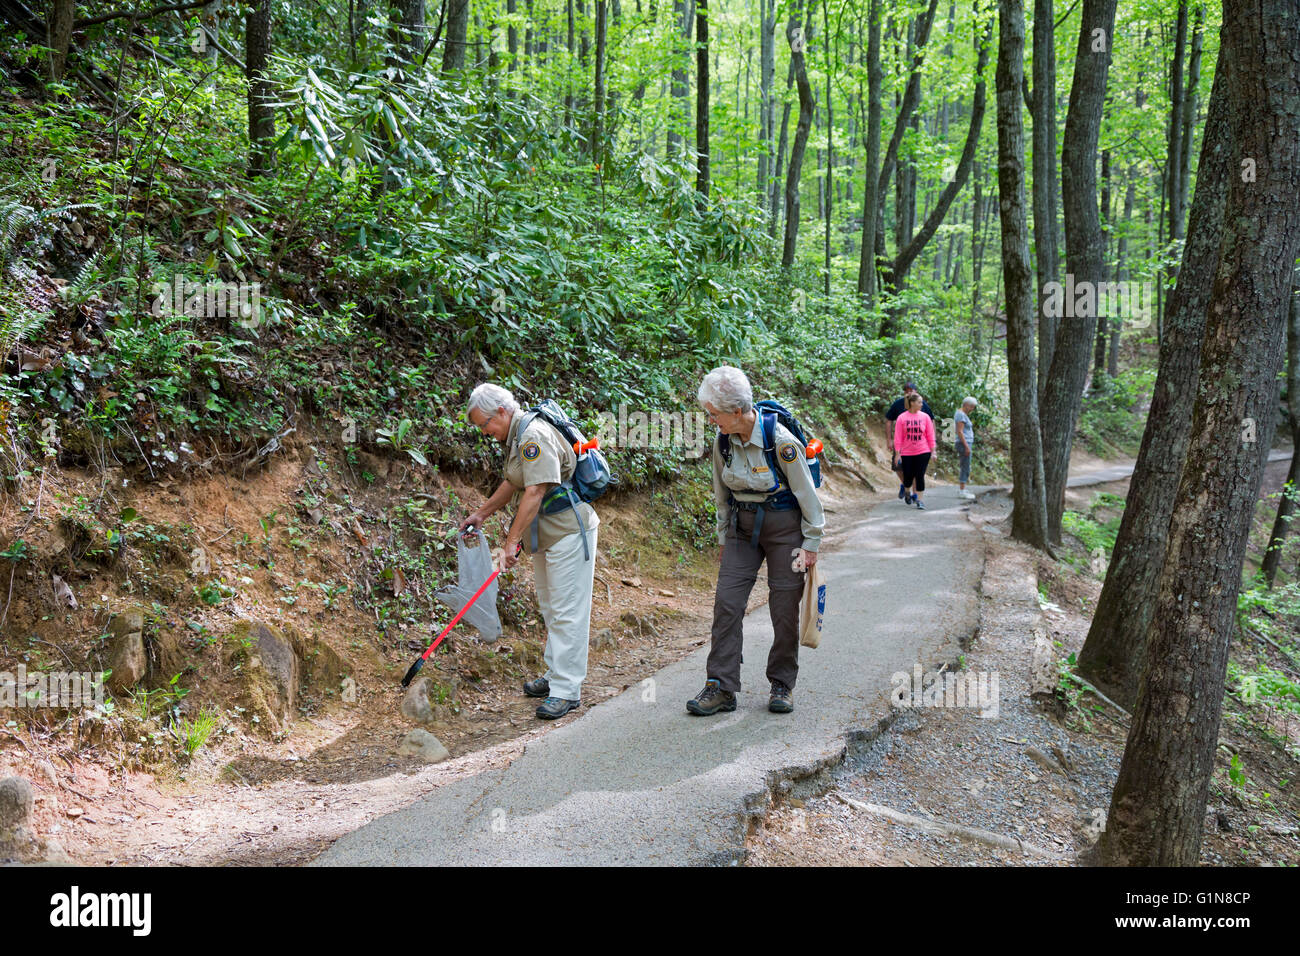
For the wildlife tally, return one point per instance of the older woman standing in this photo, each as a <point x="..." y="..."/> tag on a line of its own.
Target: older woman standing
<point x="561" y="540"/>
<point x="762" y="515"/>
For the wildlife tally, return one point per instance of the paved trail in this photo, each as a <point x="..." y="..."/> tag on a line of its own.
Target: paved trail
<point x="637" y="780"/>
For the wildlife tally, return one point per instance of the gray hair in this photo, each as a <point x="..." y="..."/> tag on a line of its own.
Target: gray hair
<point x="487" y="398"/>
<point x="969" y="401"/>
<point x="727" y="389"/>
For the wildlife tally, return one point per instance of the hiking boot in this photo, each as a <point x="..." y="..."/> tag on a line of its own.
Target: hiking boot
<point x="782" y="699"/>
<point x="539" y="687"/>
<point x="902" y="492"/>
<point x="711" y="700"/>
<point x="554" y="707"/>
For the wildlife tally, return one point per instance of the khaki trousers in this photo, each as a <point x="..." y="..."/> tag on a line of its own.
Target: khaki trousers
<point x="780" y="535"/>
<point x="563" y="580"/>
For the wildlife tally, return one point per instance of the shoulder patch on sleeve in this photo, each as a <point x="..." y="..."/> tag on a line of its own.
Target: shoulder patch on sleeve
<point x="788" y="453"/>
<point x="530" y="451"/>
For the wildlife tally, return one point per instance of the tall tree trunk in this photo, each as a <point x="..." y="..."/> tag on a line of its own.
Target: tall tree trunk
<point x="598" y="92"/>
<point x="1173" y="158"/>
<point x="1103" y="321"/>
<point x="871" y="180"/>
<point x="767" y="103"/>
<point x="702" y="97"/>
<point x="915" y="244"/>
<point x="830" y="150"/>
<point x="512" y="36"/>
<point x="1122" y="271"/>
<point x="1083" y="249"/>
<point x="1046" y="238"/>
<point x="1286" y="506"/>
<point x="796" y="37"/>
<point x="907" y="107"/>
<point x="1189" y="110"/>
<point x="261" y="108"/>
<point x="453" y="49"/>
<point x="1115" y="651"/>
<point x="778" y="191"/>
<point x="62" y="16"/>
<point x="406" y="30"/>
<point x="1157" y="809"/>
<point x="1029" y="509"/>
<point x="684" y="11"/>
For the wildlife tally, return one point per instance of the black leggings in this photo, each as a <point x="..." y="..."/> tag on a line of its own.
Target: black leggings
<point x="914" y="467"/>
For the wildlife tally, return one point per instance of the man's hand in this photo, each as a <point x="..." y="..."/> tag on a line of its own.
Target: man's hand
<point x="499" y="560"/>
<point x="469" y="527"/>
<point x="511" y="556"/>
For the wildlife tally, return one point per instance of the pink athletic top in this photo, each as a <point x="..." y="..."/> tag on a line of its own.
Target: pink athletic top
<point x="913" y="433"/>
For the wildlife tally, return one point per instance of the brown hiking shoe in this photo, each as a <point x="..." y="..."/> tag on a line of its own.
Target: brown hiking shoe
<point x="713" y="699"/>
<point x="782" y="699"/>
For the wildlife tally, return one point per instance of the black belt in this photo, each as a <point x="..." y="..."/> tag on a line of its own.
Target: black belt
<point x="783" y="500"/>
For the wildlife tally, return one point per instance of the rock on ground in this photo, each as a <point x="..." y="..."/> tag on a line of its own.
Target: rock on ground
<point x="422" y="744"/>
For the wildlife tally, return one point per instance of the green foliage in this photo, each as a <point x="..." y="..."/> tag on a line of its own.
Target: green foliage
<point x="1113" y="416"/>
<point x="193" y="733"/>
<point x="1235" y="773"/>
<point x="1097" y="534"/>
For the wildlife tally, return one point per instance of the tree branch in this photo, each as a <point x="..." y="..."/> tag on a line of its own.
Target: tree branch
<point x="120" y="14"/>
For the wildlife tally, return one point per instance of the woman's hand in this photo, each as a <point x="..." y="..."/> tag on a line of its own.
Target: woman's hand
<point x="803" y="560"/>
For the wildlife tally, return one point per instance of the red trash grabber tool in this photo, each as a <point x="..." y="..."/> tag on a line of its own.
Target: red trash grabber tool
<point x="415" y="668"/>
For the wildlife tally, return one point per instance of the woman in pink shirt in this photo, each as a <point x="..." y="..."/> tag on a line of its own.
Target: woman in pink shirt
<point x="913" y="445"/>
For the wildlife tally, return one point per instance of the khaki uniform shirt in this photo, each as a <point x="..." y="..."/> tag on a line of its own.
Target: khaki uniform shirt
<point x="540" y="456"/>
<point x="749" y="478"/>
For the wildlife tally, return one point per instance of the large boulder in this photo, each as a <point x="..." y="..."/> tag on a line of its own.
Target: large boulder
<point x="271" y="674"/>
<point x="126" y="652"/>
<point x="423" y="745"/>
<point x="17" y="839"/>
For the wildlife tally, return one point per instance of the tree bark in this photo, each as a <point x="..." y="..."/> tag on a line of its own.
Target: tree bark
<point x="261" y="108"/>
<point x="1189" y="111"/>
<point x="1158" y="806"/>
<point x="1286" y="506"/>
<point x="684" y="11"/>
<point x="1083" y="249"/>
<point x="1046" y="238"/>
<point x="62" y="16"/>
<point x="598" y="87"/>
<point x="1173" y="158"/>
<point x="453" y="49"/>
<point x="1103" y="321"/>
<point x="797" y="39"/>
<point x="702" y="97"/>
<point x="406" y="29"/>
<point x="1029" y="509"/>
<point x="1122" y="271"/>
<point x="1115" y="651"/>
<point x="767" y="104"/>
<point x="914" y="245"/>
<point x="830" y="147"/>
<point x="871" y="180"/>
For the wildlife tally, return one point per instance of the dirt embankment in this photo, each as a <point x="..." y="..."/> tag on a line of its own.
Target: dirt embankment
<point x="256" y="628"/>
